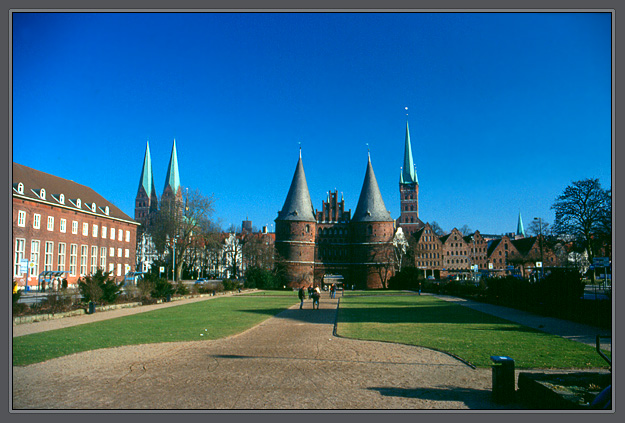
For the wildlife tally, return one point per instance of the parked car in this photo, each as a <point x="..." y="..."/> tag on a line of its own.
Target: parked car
<point x="201" y="281"/>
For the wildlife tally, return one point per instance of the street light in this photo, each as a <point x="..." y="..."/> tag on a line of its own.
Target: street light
<point x="540" y="243"/>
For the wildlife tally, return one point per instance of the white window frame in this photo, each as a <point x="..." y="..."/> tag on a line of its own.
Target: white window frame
<point x="50" y="223"/>
<point x="111" y="267"/>
<point x="20" y="247"/>
<point x="36" y="220"/>
<point x="103" y="258"/>
<point x="73" y="259"/>
<point x="60" y="265"/>
<point x="34" y="257"/>
<point x="21" y="218"/>
<point x="85" y="229"/>
<point x="94" y="232"/>
<point x="62" y="225"/>
<point x="127" y="236"/>
<point x="119" y="252"/>
<point x="94" y="259"/>
<point x="48" y="255"/>
<point x="126" y="253"/>
<point x="113" y="234"/>
<point x="74" y="227"/>
<point x="104" y="232"/>
<point x="120" y="235"/>
<point x="112" y="252"/>
<point x="83" y="259"/>
<point x="119" y="269"/>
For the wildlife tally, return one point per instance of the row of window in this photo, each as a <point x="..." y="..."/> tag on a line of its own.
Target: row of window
<point x="90" y="257"/>
<point x="21" y="222"/>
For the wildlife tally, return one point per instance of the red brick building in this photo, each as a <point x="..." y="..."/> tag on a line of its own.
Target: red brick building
<point x="60" y="225"/>
<point x="330" y="243"/>
<point x="409" y="192"/>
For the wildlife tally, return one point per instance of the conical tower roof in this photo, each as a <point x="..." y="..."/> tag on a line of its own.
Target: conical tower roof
<point x="173" y="177"/>
<point x="519" y="226"/>
<point x="408" y="173"/>
<point x="147" y="177"/>
<point x="298" y="205"/>
<point x="370" y="206"/>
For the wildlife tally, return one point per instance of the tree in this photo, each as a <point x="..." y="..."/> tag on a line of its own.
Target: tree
<point x="233" y="255"/>
<point x="400" y="246"/>
<point x="436" y="228"/>
<point x="258" y="251"/>
<point x="539" y="227"/>
<point x="582" y="210"/>
<point x="465" y="230"/>
<point x="99" y="287"/>
<point x="175" y="230"/>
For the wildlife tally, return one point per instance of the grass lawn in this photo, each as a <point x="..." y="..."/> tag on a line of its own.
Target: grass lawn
<point x="271" y="293"/>
<point x="203" y="320"/>
<point x="471" y="335"/>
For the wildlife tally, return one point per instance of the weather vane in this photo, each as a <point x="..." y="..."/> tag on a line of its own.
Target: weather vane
<point x="406" y="110"/>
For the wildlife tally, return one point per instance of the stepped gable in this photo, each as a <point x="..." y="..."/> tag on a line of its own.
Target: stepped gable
<point x="298" y="205"/>
<point x="370" y="206"/>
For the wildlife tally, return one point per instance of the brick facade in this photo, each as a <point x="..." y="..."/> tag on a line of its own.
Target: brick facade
<point x="78" y="230"/>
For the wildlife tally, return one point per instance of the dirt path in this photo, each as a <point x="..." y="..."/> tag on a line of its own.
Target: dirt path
<point x="291" y="361"/>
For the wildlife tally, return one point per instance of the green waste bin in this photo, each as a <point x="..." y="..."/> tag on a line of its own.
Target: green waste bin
<point x="91" y="307"/>
<point x="503" y="379"/>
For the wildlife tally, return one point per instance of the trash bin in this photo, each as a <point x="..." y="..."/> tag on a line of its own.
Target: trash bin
<point x="91" y="307"/>
<point x="503" y="379"/>
<point x="168" y="299"/>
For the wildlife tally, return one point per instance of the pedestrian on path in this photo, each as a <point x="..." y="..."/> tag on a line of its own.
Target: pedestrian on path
<point x="315" y="297"/>
<point x="332" y="290"/>
<point x="302" y="295"/>
<point x="310" y="291"/>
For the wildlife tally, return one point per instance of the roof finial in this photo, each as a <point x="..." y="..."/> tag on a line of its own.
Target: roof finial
<point x="406" y="108"/>
<point x="300" y="149"/>
<point x="368" y="151"/>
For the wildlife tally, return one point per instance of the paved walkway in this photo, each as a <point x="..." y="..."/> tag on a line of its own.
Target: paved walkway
<point x="291" y="361"/>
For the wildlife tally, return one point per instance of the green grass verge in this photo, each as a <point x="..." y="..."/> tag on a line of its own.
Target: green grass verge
<point x="270" y="293"/>
<point x="471" y="335"/>
<point x="204" y="320"/>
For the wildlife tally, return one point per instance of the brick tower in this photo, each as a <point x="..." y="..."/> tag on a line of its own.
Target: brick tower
<point x="371" y="233"/>
<point x="409" y="192"/>
<point x="295" y="231"/>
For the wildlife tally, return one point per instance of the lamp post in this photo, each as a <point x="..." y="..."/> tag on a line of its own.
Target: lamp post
<point x="540" y="243"/>
<point x="174" y="258"/>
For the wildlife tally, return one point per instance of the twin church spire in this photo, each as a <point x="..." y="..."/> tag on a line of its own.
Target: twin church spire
<point x="146" y="201"/>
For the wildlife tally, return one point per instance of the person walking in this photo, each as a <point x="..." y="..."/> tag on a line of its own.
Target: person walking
<point x="315" y="297"/>
<point x="332" y="290"/>
<point x="310" y="291"/>
<point x="302" y="295"/>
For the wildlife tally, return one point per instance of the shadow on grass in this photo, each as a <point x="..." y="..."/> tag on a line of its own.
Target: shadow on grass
<point x="473" y="398"/>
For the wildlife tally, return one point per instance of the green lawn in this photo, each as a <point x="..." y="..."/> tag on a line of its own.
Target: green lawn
<point x="203" y="320"/>
<point x="471" y="335"/>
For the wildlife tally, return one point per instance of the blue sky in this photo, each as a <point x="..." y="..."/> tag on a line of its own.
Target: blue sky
<point x="505" y="110"/>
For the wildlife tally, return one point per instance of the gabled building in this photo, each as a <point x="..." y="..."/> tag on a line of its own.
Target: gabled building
<point x="531" y="251"/>
<point x="456" y="252"/>
<point x="499" y="251"/>
<point x="478" y="250"/>
<point x="429" y="253"/>
<point x="62" y="226"/>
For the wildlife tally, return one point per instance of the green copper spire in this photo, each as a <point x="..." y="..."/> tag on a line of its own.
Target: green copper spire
<point x="519" y="227"/>
<point x="147" y="178"/>
<point x="173" y="177"/>
<point x="409" y="173"/>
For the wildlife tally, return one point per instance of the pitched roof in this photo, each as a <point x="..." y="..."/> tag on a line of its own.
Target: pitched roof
<point x="35" y="180"/>
<point x="409" y="173"/>
<point x="147" y="177"/>
<point x="370" y="206"/>
<point x="524" y="245"/>
<point x="173" y="177"/>
<point x="298" y="205"/>
<point x="492" y="245"/>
